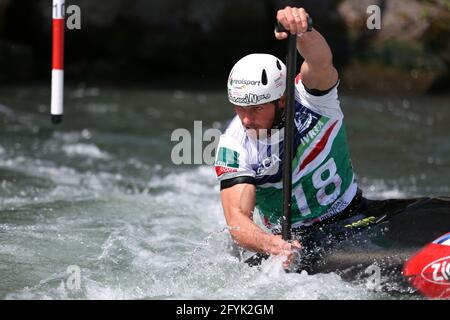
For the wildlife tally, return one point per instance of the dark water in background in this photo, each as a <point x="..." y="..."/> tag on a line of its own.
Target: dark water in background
<point x="100" y="192"/>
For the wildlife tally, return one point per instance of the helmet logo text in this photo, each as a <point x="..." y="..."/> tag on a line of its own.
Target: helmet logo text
<point x="244" y="81"/>
<point x="249" y="98"/>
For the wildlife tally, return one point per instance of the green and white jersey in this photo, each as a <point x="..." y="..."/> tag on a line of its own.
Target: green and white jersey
<point x="322" y="175"/>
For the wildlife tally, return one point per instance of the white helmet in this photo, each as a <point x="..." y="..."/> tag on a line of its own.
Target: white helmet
<point x="256" y="79"/>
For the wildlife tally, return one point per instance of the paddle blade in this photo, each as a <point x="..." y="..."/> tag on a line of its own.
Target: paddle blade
<point x="429" y="270"/>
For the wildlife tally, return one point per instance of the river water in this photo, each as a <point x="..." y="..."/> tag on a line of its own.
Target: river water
<point x="99" y="195"/>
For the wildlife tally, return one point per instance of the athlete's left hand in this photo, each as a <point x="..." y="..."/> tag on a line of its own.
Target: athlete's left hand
<point x="293" y="19"/>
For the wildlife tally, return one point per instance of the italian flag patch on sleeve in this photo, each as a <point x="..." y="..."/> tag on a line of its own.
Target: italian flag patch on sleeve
<point x="227" y="160"/>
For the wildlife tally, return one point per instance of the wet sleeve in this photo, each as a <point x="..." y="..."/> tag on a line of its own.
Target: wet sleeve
<point x="323" y="102"/>
<point x="232" y="163"/>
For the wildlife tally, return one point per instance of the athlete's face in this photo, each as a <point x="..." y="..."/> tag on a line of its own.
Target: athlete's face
<point x="258" y="117"/>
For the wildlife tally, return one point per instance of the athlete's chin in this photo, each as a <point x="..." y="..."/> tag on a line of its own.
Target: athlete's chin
<point x="251" y="129"/>
<point x="256" y="132"/>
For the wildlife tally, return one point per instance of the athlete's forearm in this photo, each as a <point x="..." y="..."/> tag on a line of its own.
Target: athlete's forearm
<point x="238" y="208"/>
<point x="238" y="204"/>
<point x="249" y="235"/>
<point x="313" y="47"/>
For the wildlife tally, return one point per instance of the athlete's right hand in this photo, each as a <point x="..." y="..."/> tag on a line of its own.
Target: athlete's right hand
<point x="278" y="246"/>
<point x="293" y="19"/>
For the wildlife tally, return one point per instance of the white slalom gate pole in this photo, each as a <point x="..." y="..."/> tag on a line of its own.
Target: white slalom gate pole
<point x="58" y="12"/>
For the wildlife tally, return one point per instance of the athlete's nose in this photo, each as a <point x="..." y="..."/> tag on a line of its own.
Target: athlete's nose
<point x="247" y="121"/>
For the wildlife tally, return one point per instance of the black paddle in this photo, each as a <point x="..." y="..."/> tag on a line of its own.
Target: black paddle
<point x="291" y="62"/>
<point x="291" y="65"/>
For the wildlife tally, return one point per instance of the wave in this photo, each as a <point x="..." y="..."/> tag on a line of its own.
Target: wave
<point x="84" y="149"/>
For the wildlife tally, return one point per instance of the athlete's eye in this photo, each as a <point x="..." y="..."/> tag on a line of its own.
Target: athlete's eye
<point x="257" y="109"/>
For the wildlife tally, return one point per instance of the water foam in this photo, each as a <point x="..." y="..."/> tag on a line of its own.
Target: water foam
<point x="84" y="149"/>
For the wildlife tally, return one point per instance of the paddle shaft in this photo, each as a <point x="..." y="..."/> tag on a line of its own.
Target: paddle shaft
<point x="291" y="61"/>
<point x="291" y="66"/>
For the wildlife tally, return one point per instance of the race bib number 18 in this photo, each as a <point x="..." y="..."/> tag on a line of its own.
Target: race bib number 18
<point x="326" y="181"/>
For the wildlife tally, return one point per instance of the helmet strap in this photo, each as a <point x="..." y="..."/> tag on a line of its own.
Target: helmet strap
<point x="279" y="120"/>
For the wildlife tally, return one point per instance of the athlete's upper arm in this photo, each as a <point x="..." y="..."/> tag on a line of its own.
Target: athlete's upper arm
<point x="319" y="77"/>
<point x="236" y="176"/>
<point x="238" y="200"/>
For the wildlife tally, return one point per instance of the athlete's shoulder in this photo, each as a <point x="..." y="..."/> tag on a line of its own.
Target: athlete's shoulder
<point x="236" y="131"/>
<point x="323" y="102"/>
<point x="232" y="155"/>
